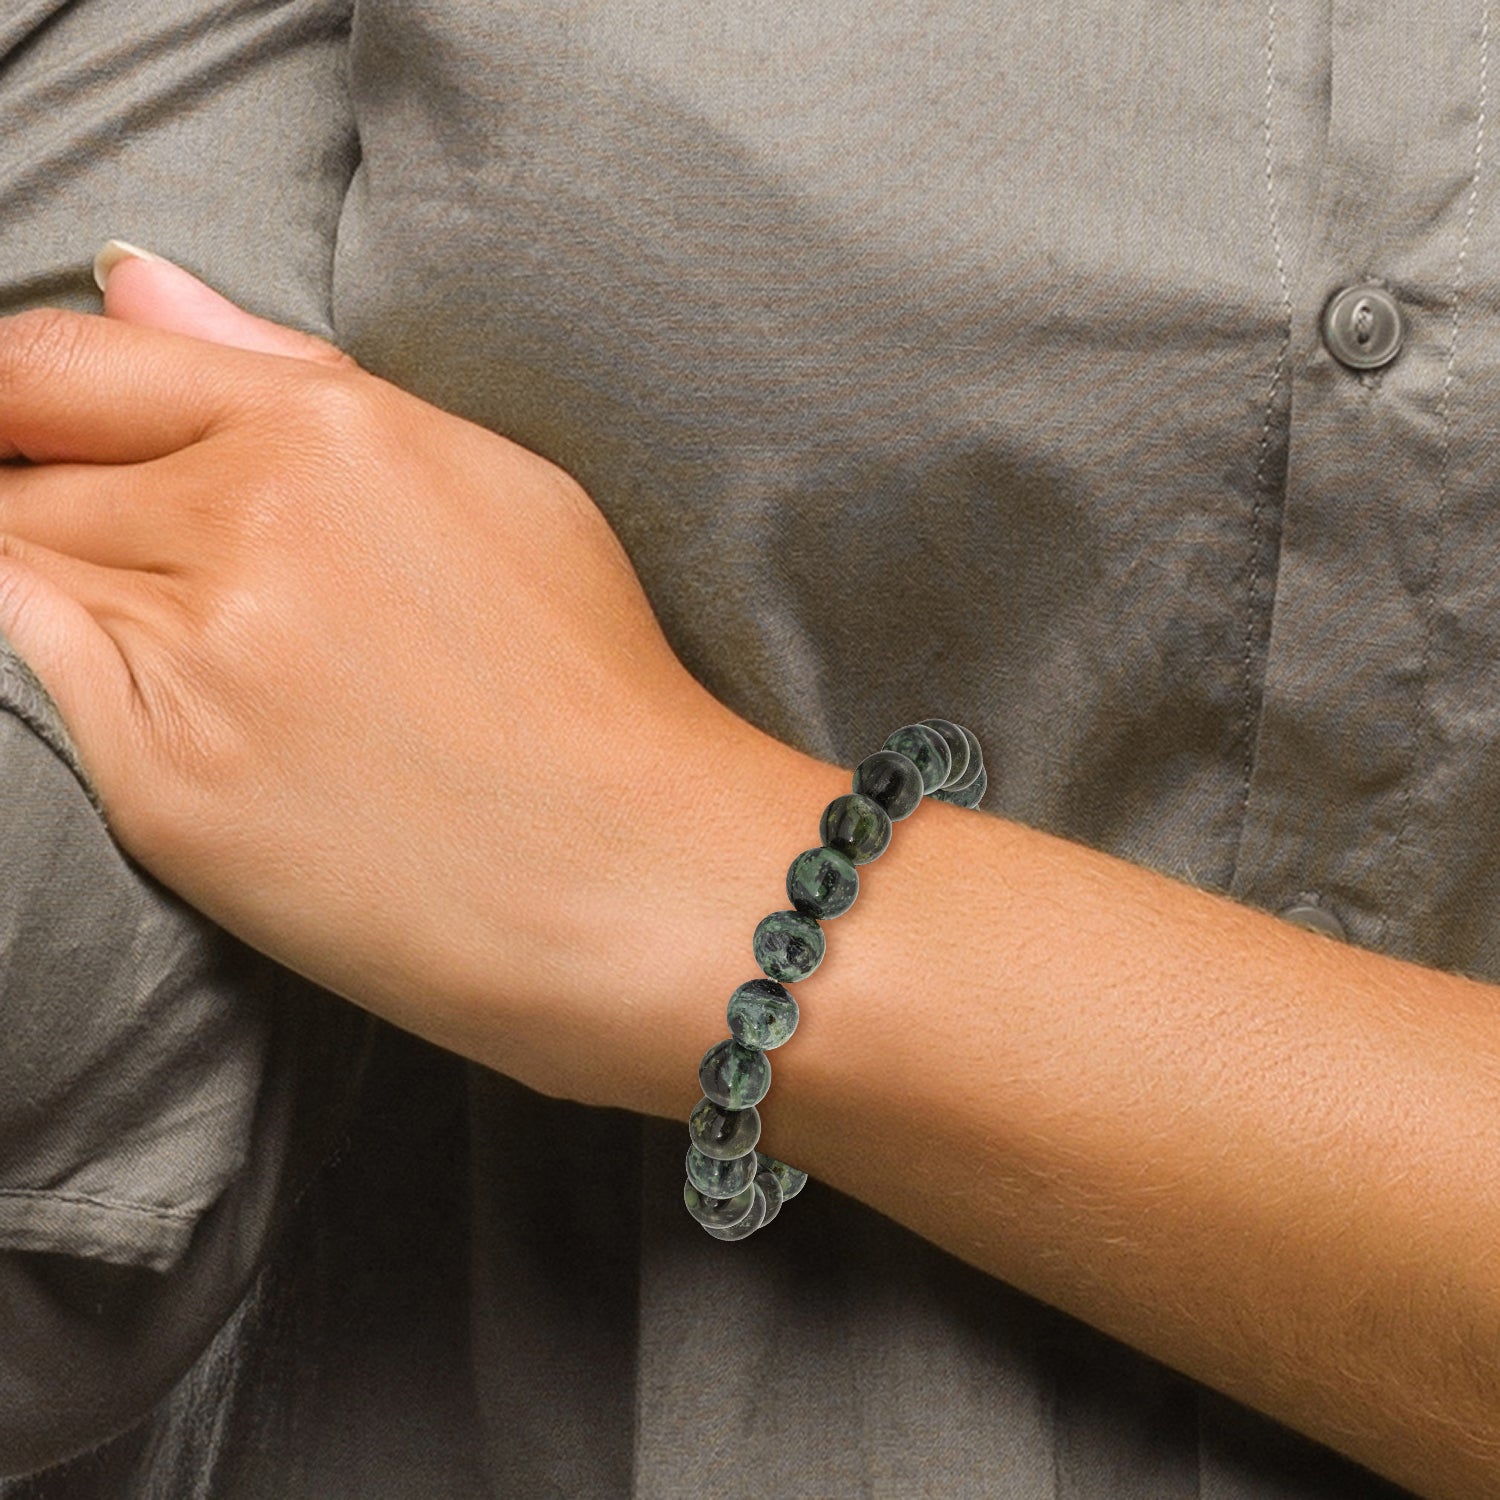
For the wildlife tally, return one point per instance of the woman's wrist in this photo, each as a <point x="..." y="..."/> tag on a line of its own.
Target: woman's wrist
<point x="711" y="866"/>
<point x="639" y="936"/>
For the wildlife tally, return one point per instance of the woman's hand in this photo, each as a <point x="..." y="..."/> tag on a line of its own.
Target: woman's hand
<point x="373" y="687"/>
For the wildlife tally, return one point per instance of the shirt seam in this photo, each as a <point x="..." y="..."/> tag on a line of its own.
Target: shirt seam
<point x="85" y="1200"/>
<point x="1260" y="483"/>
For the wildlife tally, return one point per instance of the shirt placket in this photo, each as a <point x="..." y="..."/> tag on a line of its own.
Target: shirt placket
<point x="1338" y="819"/>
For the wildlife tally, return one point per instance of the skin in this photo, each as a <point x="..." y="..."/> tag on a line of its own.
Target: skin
<point x="380" y="692"/>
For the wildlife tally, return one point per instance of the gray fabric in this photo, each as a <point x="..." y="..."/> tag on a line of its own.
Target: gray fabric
<point x="117" y="1129"/>
<point x="927" y="358"/>
<point x="212" y="131"/>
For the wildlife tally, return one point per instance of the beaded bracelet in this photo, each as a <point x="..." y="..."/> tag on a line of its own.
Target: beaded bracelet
<point x="732" y="1189"/>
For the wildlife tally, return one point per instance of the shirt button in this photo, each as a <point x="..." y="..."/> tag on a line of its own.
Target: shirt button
<point x="1314" y="919"/>
<point x="1363" y="327"/>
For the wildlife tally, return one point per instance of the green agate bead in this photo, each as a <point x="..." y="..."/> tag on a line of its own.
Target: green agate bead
<point x="976" y="765"/>
<point x="746" y="1226"/>
<point x="788" y="946"/>
<point x="723" y="1134"/>
<point x="792" y="1181"/>
<point x="719" y="1213"/>
<point x="892" y="780"/>
<point x="734" y="1076"/>
<point x="770" y="1185"/>
<point x="968" y="796"/>
<point x="857" y="826"/>
<point x="958" y="747"/>
<point x="822" y="883"/>
<point x="721" y="1179"/>
<point x="762" y="1014"/>
<point x="927" y="748"/>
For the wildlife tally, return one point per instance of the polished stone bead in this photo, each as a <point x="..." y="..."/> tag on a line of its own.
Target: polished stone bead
<point x="857" y="826"/>
<point x="792" y="1181"/>
<point x="958" y="747"/>
<point x="892" y="780"/>
<point x="734" y="1076"/>
<point x="976" y="765"/>
<point x="968" y="796"/>
<point x="720" y="1213"/>
<point x="721" y="1179"/>
<point x="927" y="748"/>
<point x="746" y="1226"/>
<point x="770" y="1184"/>
<point x="788" y="945"/>
<point x="723" y="1133"/>
<point x="762" y="1014"/>
<point x="822" y="883"/>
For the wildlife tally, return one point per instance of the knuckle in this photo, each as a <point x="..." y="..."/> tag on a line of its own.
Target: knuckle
<point x="335" y="402"/>
<point x="333" y="429"/>
<point x="342" y="437"/>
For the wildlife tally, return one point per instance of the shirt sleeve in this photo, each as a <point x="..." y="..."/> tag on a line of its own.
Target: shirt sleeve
<point x="164" y="1090"/>
<point x="130" y="1052"/>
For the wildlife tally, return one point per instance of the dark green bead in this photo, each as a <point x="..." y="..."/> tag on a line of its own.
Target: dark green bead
<point x="746" y="1226"/>
<point x="719" y="1213"/>
<point x="958" y="747"/>
<point x="721" y="1179"/>
<point x="927" y="748"/>
<point x="792" y="1181"/>
<point x="734" y="1076"/>
<point x="822" y="883"/>
<point x="968" y="796"/>
<point x="858" y="827"/>
<point x="892" y="780"/>
<point x="788" y="946"/>
<point x="762" y="1014"/>
<point x="770" y="1184"/>
<point x="723" y="1133"/>
<point x="976" y="765"/>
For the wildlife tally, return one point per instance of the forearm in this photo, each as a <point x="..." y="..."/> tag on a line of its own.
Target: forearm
<point x="1266" y="1158"/>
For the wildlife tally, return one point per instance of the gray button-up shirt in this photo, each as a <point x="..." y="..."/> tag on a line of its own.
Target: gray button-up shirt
<point x="960" y="358"/>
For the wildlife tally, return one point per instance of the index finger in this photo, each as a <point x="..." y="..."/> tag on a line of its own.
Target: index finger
<point x="81" y="387"/>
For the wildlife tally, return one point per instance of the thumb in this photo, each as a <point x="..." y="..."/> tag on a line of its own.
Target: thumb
<point x="140" y="287"/>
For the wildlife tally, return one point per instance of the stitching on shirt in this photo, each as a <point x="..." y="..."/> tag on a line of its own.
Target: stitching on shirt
<point x="1429" y="586"/>
<point x="1265" y="431"/>
<point x="41" y="1195"/>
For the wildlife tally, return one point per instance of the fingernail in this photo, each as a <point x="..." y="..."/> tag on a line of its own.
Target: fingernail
<point x="113" y="252"/>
